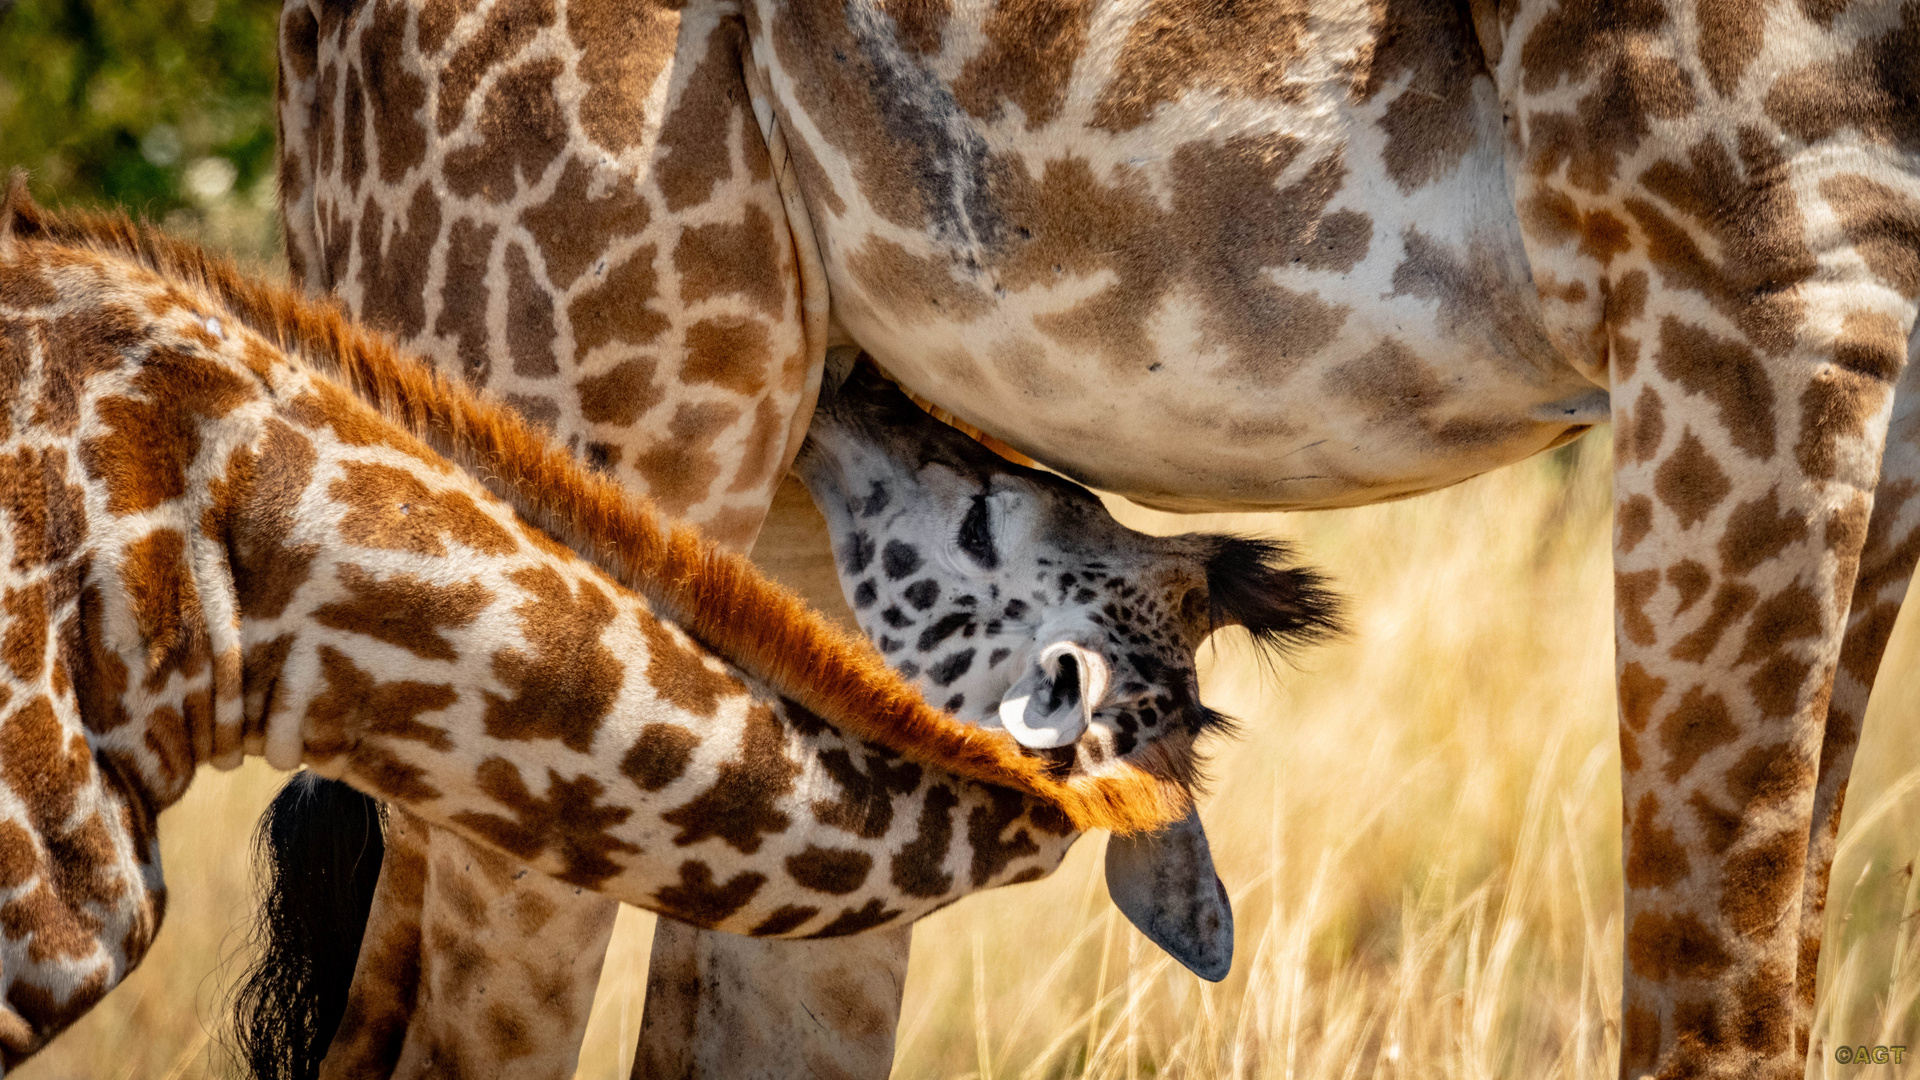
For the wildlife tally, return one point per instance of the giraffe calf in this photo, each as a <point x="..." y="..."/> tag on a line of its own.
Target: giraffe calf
<point x="1006" y="594"/>
<point x="213" y="546"/>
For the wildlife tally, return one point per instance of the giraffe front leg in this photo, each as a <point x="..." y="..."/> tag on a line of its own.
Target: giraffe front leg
<point x="1886" y="567"/>
<point x="721" y="1005"/>
<point x="386" y="974"/>
<point x="516" y="959"/>
<point x="1742" y="490"/>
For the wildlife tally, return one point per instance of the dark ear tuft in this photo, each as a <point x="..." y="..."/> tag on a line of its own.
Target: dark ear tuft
<point x="1250" y="584"/>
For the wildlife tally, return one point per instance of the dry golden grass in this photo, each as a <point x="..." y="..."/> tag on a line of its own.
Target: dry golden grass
<point x="1419" y="826"/>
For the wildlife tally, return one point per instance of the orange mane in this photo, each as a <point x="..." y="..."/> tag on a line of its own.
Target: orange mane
<point x="718" y="597"/>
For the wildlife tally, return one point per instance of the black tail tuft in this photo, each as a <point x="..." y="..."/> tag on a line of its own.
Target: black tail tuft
<point x="317" y="853"/>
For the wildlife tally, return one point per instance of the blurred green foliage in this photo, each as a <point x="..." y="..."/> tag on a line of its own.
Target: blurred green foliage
<point x="164" y="106"/>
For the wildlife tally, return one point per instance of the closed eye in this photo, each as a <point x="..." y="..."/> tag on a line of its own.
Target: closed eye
<point x="976" y="534"/>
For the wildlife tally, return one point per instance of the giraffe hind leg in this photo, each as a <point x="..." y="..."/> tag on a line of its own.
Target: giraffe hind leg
<point x="1887" y="559"/>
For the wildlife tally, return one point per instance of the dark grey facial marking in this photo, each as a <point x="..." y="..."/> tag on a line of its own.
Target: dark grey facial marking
<point x="899" y="559"/>
<point x="864" y="595"/>
<point x="859" y="553"/>
<point x="922" y="594"/>
<point x="954" y="666"/>
<point x="949" y="623"/>
<point x="877" y="500"/>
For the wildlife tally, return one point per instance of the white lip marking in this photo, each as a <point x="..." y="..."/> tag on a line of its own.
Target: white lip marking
<point x="213" y="327"/>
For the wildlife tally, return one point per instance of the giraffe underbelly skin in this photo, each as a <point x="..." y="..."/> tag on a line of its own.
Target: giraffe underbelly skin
<point x="1278" y="300"/>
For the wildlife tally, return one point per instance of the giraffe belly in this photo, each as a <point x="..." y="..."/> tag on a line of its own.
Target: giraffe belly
<point x="1202" y="295"/>
<point x="1348" y="427"/>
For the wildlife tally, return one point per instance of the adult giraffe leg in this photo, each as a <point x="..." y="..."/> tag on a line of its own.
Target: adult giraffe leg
<point x="1732" y="589"/>
<point x="712" y="1013"/>
<point x="1747" y="287"/>
<point x="1886" y="568"/>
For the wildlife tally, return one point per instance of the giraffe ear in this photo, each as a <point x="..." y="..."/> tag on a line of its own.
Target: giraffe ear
<point x="19" y="216"/>
<point x="1164" y="883"/>
<point x="1250" y="583"/>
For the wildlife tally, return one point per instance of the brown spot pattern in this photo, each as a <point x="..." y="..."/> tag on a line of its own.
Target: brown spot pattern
<point x="1699" y="724"/>
<point x="566" y="686"/>
<point x="1028" y="57"/>
<point x="570" y="821"/>
<point x="730" y="352"/>
<point x="1655" y="857"/>
<point x="623" y="47"/>
<point x="1884" y="226"/>
<point x="1430" y="124"/>
<point x="1757" y="531"/>
<point x="1726" y="373"/>
<point x="1871" y="89"/>
<point x="522" y="129"/>
<point x="1690" y="482"/>
<point x="573" y="227"/>
<point x="389" y="508"/>
<point x="659" y="756"/>
<point x="837" y="871"/>
<point x="166" y="607"/>
<point x="725" y="259"/>
<point x="404" y="610"/>
<point x="864" y="806"/>
<point x="618" y="310"/>
<point x="698" y="133"/>
<point x="1605" y="49"/>
<point x="1227" y="225"/>
<point x="679" y="470"/>
<point x="356" y="712"/>
<point x="701" y="901"/>
<point x="463" y="298"/>
<point x="680" y="675"/>
<point x="740" y="807"/>
<point x="155" y="439"/>
<point x="919" y="868"/>
<point x="1177" y="46"/>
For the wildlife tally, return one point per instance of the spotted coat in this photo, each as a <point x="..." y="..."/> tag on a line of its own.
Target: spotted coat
<point x="1329" y="252"/>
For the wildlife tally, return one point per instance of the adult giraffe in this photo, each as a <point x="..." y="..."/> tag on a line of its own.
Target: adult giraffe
<point x="1314" y="254"/>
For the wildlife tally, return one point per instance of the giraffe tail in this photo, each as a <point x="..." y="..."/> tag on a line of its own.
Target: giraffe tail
<point x="317" y="853"/>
